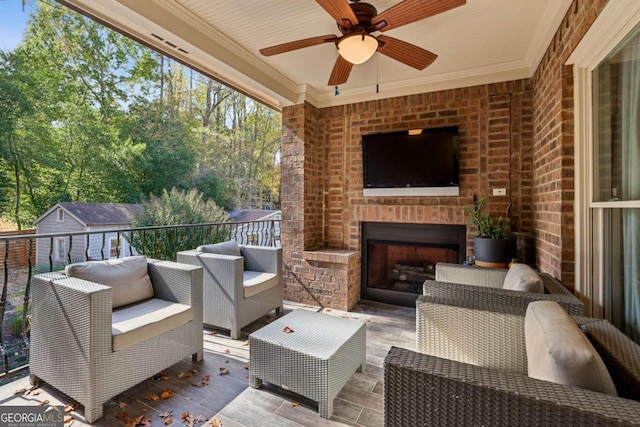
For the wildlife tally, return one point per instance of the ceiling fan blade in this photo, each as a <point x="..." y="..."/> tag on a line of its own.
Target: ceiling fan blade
<point x="340" y="11"/>
<point x="340" y="72"/>
<point x="410" y="11"/>
<point x="406" y="53"/>
<point x="298" y="44"/>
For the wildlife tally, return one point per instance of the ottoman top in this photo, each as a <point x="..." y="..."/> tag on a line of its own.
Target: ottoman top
<point x="316" y="334"/>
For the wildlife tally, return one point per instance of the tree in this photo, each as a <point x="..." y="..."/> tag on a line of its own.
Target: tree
<point x="178" y="207"/>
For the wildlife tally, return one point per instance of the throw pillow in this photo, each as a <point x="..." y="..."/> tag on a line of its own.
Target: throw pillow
<point x="128" y="277"/>
<point x="521" y="277"/>
<point x="225" y="248"/>
<point x="559" y="352"/>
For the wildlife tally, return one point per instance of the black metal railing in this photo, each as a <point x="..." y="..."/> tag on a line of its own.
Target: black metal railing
<point x="26" y="255"/>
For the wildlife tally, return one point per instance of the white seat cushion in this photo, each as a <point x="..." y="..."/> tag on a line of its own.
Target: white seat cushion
<point x="521" y="277"/>
<point x="128" y="278"/>
<point x="254" y="282"/>
<point x="559" y="352"/>
<point x="225" y="248"/>
<point x="137" y="322"/>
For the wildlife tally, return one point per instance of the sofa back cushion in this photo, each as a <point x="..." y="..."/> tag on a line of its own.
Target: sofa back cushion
<point x="128" y="278"/>
<point x="559" y="352"/>
<point x="225" y="248"/>
<point x="521" y="277"/>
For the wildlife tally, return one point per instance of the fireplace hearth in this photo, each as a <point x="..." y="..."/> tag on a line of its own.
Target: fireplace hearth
<point x="398" y="258"/>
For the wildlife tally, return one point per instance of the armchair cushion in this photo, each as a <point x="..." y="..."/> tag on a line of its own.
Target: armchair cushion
<point x="225" y="248"/>
<point x="521" y="277"/>
<point x="559" y="352"/>
<point x="128" y="278"/>
<point x="137" y="322"/>
<point x="254" y="282"/>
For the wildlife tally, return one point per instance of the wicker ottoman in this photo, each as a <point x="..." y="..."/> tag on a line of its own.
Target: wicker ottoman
<point x="315" y="360"/>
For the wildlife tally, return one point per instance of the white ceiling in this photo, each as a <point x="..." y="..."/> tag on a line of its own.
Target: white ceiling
<point x="481" y="42"/>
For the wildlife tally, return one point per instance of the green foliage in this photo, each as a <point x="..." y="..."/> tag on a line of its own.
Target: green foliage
<point x="17" y="328"/>
<point x="87" y="114"/>
<point x="178" y="207"/>
<point x="483" y="222"/>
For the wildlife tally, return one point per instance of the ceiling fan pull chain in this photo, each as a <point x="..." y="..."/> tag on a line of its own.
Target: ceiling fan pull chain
<point x="337" y="92"/>
<point x="377" y="73"/>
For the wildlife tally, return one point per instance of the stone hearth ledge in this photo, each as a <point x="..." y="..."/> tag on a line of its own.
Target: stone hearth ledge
<point x="336" y="256"/>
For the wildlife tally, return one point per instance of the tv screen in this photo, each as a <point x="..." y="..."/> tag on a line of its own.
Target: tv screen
<point x="400" y="160"/>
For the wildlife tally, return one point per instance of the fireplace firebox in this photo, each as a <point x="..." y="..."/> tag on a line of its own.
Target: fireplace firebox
<point x="398" y="258"/>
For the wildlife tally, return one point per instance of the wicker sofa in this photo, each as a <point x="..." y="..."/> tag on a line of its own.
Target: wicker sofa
<point x="476" y="373"/>
<point x="87" y="347"/>
<point x="484" y="285"/>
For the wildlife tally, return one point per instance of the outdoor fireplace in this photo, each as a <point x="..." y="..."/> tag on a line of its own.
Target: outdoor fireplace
<point x="398" y="258"/>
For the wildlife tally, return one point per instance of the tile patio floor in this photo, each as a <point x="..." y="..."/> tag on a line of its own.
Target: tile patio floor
<point x="229" y="397"/>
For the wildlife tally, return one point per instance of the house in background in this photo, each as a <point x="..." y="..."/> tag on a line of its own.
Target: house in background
<point x="70" y="217"/>
<point x="258" y="226"/>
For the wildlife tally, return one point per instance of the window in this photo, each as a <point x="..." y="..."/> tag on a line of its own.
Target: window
<point x="60" y="215"/>
<point x="59" y="249"/>
<point x="616" y="181"/>
<point x="113" y="245"/>
<point x="607" y="157"/>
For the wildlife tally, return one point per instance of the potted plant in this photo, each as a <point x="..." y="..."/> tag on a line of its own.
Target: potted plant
<point x="491" y="244"/>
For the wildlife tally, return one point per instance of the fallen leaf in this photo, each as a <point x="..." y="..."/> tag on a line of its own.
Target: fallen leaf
<point x="189" y="421"/>
<point x="185" y="375"/>
<point x="21" y="390"/>
<point x="246" y="366"/>
<point x="195" y="371"/>
<point x="294" y="404"/>
<point x="35" y="393"/>
<point x="122" y="415"/>
<point x="164" y="373"/>
<point x="224" y="372"/>
<point x="133" y="422"/>
<point x="185" y="415"/>
<point x="215" y="422"/>
<point x="122" y="405"/>
<point x="146" y="422"/>
<point x="44" y="402"/>
<point x="167" y="394"/>
<point x="195" y="384"/>
<point x="152" y="397"/>
<point x="288" y="329"/>
<point x="245" y="343"/>
<point x="166" y="414"/>
<point x="246" y="376"/>
<point x="164" y="377"/>
<point x="68" y="419"/>
<point x="206" y="377"/>
<point x="227" y="351"/>
<point x="168" y="421"/>
<point x="72" y="407"/>
<point x="200" y="418"/>
<point x="211" y="333"/>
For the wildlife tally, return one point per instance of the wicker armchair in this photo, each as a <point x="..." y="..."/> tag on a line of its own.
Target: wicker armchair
<point x="484" y="285"/>
<point x="73" y="336"/>
<point x="476" y="373"/>
<point x="233" y="293"/>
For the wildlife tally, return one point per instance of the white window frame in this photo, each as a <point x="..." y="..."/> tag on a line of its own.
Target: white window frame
<point x="59" y="243"/>
<point x="60" y="215"/>
<point x="614" y="23"/>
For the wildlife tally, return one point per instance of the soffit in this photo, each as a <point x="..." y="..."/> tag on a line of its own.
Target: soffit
<point x="484" y="41"/>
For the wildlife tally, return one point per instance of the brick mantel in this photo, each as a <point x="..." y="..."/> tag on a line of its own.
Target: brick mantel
<point x="322" y="201"/>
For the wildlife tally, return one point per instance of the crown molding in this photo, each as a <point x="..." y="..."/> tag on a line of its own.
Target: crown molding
<point x="545" y="32"/>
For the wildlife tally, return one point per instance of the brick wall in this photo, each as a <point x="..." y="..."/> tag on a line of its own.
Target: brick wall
<point x="326" y="209"/>
<point x="553" y="145"/>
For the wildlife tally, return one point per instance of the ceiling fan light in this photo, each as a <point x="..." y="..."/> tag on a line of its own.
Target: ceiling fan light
<point x="357" y="48"/>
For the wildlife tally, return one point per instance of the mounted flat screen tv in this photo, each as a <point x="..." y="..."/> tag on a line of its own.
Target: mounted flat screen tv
<point x="419" y="162"/>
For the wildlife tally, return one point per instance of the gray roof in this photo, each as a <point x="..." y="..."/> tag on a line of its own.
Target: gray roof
<point x="100" y="213"/>
<point x="245" y="215"/>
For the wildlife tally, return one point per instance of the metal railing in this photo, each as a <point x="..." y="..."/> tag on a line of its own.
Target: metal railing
<point x="26" y="255"/>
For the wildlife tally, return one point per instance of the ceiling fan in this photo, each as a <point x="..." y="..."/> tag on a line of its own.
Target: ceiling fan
<point x="356" y="22"/>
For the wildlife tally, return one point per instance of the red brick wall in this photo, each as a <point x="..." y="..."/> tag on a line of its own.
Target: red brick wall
<point x="553" y="145"/>
<point x="327" y="208"/>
